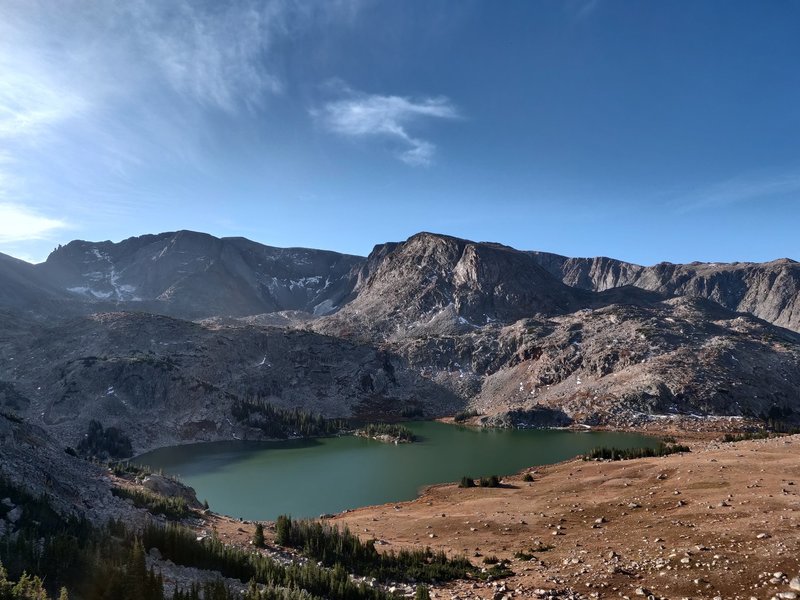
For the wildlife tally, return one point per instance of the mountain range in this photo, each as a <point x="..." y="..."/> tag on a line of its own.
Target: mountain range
<point x="159" y="334"/>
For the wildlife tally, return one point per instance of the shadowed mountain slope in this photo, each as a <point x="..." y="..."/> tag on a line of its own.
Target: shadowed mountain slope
<point x="195" y="275"/>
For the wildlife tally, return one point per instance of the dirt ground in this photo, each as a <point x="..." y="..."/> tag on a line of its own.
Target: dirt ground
<point x="720" y="522"/>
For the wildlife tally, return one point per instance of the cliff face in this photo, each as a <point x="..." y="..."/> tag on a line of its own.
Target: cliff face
<point x="434" y="283"/>
<point x="770" y="291"/>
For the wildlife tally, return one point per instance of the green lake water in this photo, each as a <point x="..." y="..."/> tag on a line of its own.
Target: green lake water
<point x="305" y="478"/>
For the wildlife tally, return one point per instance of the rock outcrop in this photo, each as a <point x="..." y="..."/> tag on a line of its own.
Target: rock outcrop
<point x="770" y="291"/>
<point x="433" y="284"/>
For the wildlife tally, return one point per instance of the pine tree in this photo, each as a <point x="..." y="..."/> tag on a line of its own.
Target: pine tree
<point x="422" y="593"/>
<point x="5" y="584"/>
<point x="29" y="588"/>
<point x="136" y="573"/>
<point x="258" y="536"/>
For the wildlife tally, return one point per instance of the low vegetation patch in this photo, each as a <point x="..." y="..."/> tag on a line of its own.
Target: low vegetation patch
<point x="334" y="547"/>
<point x="172" y="507"/>
<point x="613" y="453"/>
<point x="126" y="469"/>
<point x="775" y="429"/>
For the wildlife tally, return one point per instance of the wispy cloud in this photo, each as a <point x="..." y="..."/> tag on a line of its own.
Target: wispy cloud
<point x="361" y="115"/>
<point x="20" y="223"/>
<point x="98" y="97"/>
<point x="749" y="187"/>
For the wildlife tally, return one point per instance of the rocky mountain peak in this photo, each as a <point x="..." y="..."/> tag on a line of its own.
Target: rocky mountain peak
<point x="413" y="283"/>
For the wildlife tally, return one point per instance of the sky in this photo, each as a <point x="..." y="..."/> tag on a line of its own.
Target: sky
<point x="644" y="130"/>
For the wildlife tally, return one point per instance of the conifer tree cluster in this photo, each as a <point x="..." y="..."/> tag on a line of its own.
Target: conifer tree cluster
<point x="613" y="453"/>
<point x="334" y="547"/>
<point x="104" y="443"/>
<point x="281" y="424"/>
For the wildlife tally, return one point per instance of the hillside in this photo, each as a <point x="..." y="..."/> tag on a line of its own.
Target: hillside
<point x="163" y="380"/>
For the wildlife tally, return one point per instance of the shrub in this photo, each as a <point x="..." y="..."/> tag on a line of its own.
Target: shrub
<point x="527" y="477"/>
<point x="467" y="482"/>
<point x="492" y="481"/>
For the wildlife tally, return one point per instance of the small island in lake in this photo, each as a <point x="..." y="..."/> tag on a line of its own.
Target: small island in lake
<point x="386" y="432"/>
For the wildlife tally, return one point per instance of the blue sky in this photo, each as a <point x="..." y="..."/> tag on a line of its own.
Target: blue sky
<point x="642" y="130"/>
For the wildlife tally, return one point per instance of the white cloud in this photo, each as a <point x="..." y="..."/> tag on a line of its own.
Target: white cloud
<point x="374" y="115"/>
<point x="19" y="223"/>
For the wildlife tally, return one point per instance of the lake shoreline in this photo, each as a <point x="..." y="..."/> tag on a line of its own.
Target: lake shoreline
<point x="260" y="480"/>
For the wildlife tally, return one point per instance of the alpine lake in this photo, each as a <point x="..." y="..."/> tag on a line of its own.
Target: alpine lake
<point x="310" y="477"/>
